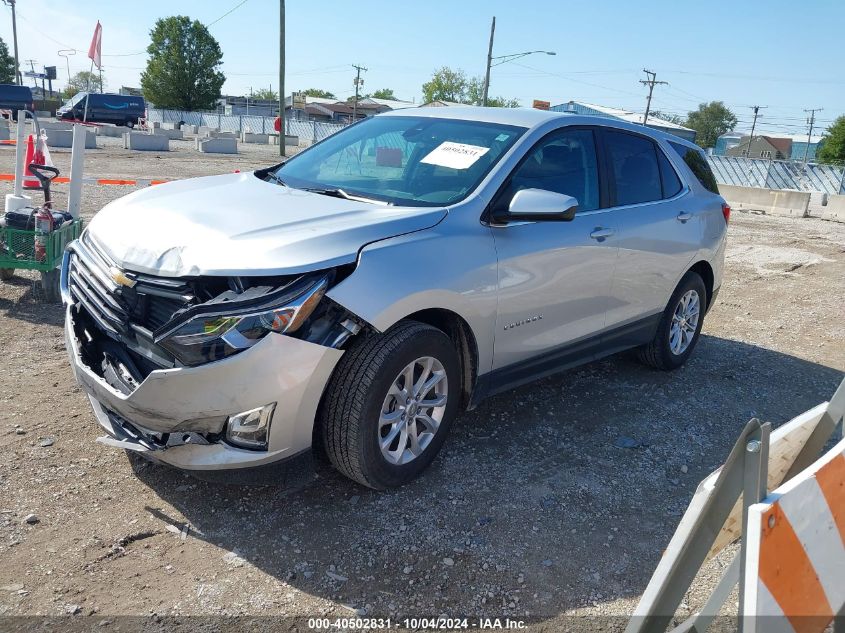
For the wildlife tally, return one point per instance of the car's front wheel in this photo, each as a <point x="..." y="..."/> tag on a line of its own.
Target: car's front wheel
<point x="390" y="404"/>
<point x="680" y="325"/>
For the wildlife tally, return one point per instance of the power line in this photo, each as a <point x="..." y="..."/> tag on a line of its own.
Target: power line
<point x="232" y="10"/>
<point x="650" y="82"/>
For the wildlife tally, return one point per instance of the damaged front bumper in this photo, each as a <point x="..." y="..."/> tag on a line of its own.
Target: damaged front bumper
<point x="177" y="416"/>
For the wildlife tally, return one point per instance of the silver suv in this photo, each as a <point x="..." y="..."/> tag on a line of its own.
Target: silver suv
<point x="352" y="301"/>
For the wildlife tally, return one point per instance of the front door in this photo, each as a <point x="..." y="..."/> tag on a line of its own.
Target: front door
<point x="555" y="277"/>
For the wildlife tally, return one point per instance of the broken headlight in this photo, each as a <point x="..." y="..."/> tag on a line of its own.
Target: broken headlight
<point x="220" y="328"/>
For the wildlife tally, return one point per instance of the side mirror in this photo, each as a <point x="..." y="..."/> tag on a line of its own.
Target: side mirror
<point x="539" y="205"/>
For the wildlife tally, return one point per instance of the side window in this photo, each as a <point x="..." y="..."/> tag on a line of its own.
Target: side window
<point x="697" y="162"/>
<point x="564" y="162"/>
<point x="635" y="169"/>
<point x="671" y="183"/>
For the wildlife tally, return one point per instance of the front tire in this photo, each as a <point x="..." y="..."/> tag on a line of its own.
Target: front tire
<point x="390" y="404"/>
<point x="680" y="326"/>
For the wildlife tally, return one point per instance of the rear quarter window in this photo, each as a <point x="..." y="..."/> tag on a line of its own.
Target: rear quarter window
<point x="697" y="162"/>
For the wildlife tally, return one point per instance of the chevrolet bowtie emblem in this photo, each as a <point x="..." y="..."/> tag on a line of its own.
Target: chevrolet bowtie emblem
<point x="120" y="277"/>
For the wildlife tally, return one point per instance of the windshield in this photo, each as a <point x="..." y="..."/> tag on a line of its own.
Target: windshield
<point x="79" y="96"/>
<point x="416" y="161"/>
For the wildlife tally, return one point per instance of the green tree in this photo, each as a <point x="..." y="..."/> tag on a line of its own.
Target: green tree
<point x="832" y="149"/>
<point x="710" y="121"/>
<point x="317" y="92"/>
<point x="84" y="81"/>
<point x="447" y="84"/>
<point x="7" y="65"/>
<point x="265" y="94"/>
<point x="384" y="93"/>
<point x="666" y="116"/>
<point x="183" y="71"/>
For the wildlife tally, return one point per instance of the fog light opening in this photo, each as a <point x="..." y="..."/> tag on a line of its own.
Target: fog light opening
<point x="250" y="429"/>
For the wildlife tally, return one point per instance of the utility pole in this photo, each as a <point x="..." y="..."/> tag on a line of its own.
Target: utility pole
<point x="756" y="109"/>
<point x="18" y="79"/>
<point x="811" y="122"/>
<point x="358" y="82"/>
<point x="489" y="63"/>
<point x="282" y="78"/>
<point x="31" y="63"/>
<point x="651" y="82"/>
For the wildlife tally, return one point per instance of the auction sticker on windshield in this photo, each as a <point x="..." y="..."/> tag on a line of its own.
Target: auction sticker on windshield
<point x="455" y="155"/>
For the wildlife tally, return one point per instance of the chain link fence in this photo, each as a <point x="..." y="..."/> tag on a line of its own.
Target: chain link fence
<point x="307" y="131"/>
<point x="778" y="174"/>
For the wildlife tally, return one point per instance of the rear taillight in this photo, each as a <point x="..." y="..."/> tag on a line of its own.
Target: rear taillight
<point x="726" y="211"/>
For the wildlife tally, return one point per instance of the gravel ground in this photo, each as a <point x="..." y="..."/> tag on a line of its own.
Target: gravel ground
<point x="533" y="511"/>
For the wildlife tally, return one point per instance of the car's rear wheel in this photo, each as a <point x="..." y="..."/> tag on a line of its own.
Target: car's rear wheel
<point x="680" y="326"/>
<point x="390" y="404"/>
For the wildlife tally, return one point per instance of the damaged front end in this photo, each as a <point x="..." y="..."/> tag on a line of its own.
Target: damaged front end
<point x="224" y="369"/>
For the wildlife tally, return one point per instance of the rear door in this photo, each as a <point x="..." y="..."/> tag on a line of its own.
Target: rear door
<point x="554" y="277"/>
<point x="660" y="224"/>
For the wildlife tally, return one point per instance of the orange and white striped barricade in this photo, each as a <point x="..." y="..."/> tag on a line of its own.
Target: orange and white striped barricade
<point x="761" y="460"/>
<point x="795" y="552"/>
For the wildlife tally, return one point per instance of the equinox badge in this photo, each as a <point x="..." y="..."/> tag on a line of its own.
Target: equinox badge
<point x="531" y="319"/>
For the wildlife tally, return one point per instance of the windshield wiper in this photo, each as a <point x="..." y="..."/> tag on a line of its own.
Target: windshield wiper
<point x="337" y="192"/>
<point x="272" y="176"/>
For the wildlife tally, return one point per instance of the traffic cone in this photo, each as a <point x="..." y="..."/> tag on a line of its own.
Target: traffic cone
<point x="37" y="154"/>
<point x="29" y="180"/>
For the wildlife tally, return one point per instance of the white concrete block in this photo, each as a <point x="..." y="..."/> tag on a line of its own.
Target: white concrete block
<point x="770" y="201"/>
<point x="173" y="135"/>
<point x="113" y="131"/>
<point x="217" y="145"/>
<point x="64" y="138"/>
<point x="146" y="142"/>
<point x="834" y="209"/>
<point x="218" y="134"/>
<point x="249" y="137"/>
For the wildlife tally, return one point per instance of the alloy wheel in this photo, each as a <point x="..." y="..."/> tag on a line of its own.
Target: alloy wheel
<point x="412" y="410"/>
<point x="684" y="322"/>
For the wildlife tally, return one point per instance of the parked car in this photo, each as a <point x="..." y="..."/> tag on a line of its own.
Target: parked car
<point x="103" y="108"/>
<point x="353" y="300"/>
<point x="14" y="98"/>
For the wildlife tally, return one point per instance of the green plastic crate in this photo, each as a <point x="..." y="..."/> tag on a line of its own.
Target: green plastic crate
<point x="17" y="247"/>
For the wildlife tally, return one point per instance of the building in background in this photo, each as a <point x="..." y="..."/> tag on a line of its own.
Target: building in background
<point x="774" y="146"/>
<point x="306" y="108"/>
<point x="578" y="107"/>
<point x="777" y="148"/>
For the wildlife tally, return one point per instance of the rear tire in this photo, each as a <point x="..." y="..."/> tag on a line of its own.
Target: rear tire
<point x="677" y="335"/>
<point x="374" y="431"/>
<point x="50" y="286"/>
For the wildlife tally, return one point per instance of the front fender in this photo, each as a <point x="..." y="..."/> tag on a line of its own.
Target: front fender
<point x="451" y="266"/>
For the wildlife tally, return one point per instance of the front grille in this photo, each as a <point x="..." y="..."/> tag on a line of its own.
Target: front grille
<point x="117" y="309"/>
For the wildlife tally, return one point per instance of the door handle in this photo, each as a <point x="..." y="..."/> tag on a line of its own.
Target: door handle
<point x="601" y="233"/>
<point x="683" y="216"/>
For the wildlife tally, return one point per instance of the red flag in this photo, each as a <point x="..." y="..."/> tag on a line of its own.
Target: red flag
<point x="95" y="50"/>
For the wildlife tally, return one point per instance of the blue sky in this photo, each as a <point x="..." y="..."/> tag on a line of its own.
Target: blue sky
<point x="786" y="55"/>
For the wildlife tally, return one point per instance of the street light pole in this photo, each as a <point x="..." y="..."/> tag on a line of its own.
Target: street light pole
<point x="489" y="63"/>
<point x="66" y="53"/>
<point x="501" y="59"/>
<point x="282" y="78"/>
<point x="18" y="79"/>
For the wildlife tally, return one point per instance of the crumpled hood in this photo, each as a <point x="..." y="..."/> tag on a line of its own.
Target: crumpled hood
<point x="238" y="224"/>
